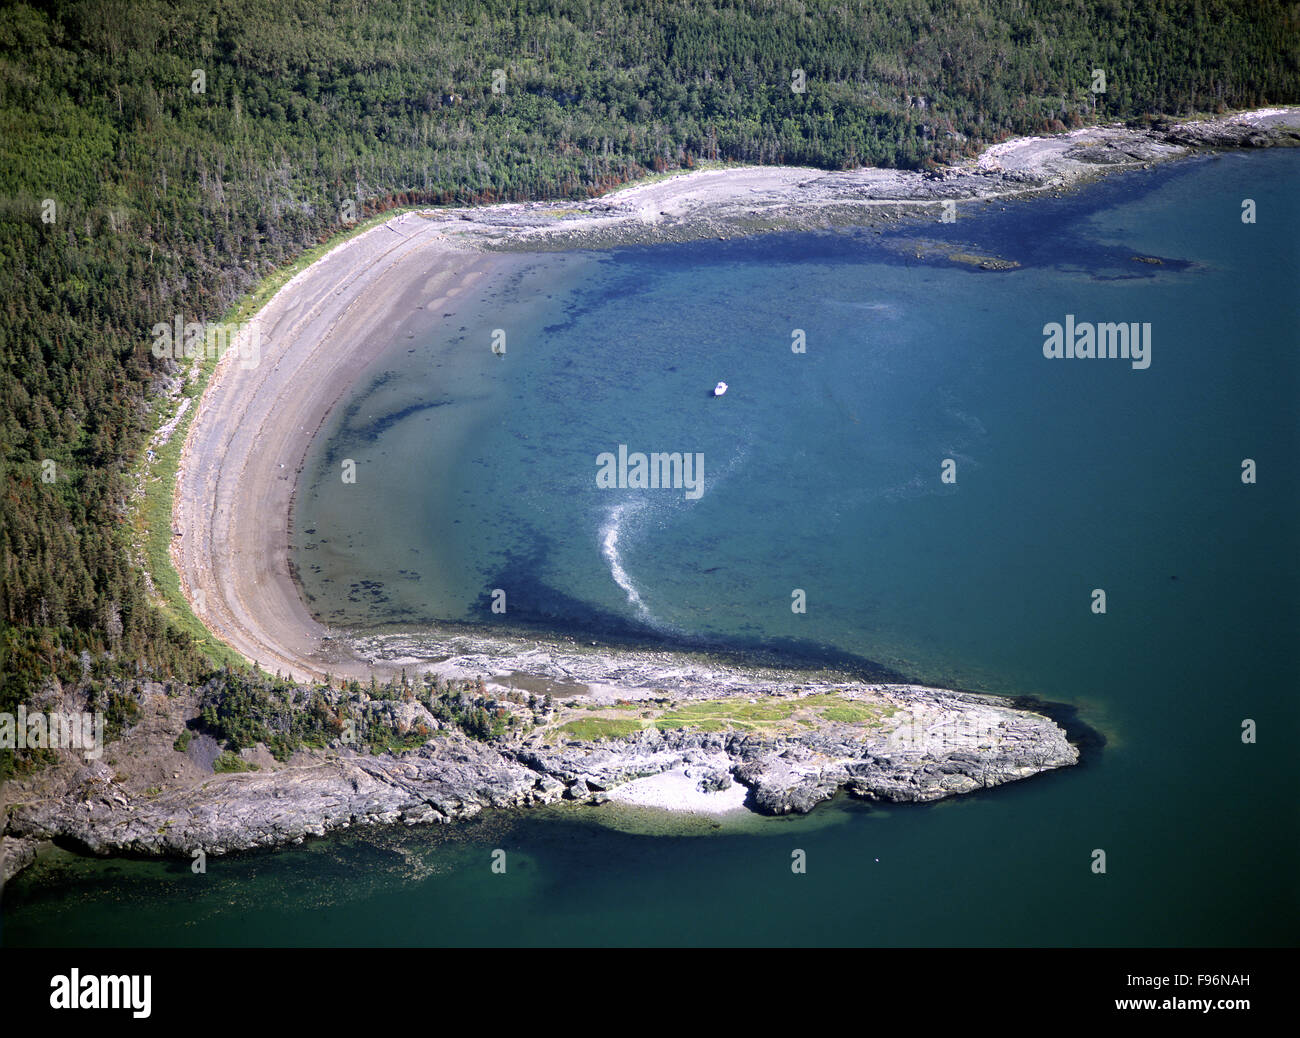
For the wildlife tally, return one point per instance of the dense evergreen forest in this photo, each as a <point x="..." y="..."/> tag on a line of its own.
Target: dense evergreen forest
<point x="191" y="147"/>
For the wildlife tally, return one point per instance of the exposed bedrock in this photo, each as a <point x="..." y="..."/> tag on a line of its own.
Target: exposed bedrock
<point x="918" y="745"/>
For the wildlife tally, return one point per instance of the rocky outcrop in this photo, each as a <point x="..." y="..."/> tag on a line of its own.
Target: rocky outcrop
<point x="451" y="777"/>
<point x="944" y="743"/>
<point x="1261" y="133"/>
<point x="16" y="853"/>
<point x="931" y="744"/>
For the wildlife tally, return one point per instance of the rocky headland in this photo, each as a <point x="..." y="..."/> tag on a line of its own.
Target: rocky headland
<point x="790" y="740"/>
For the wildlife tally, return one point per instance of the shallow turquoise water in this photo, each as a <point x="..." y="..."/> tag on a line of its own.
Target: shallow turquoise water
<point x="821" y="473"/>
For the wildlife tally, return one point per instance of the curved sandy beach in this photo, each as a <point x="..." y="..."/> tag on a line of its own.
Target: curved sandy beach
<point x="250" y="435"/>
<point x="254" y="424"/>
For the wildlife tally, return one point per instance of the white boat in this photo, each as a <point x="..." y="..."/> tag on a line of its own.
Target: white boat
<point x="719" y="389"/>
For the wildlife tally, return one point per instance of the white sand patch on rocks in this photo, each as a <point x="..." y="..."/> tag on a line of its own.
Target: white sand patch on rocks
<point x="680" y="790"/>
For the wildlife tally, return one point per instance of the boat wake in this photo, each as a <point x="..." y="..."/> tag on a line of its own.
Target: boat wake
<point x="609" y="535"/>
<point x="619" y="516"/>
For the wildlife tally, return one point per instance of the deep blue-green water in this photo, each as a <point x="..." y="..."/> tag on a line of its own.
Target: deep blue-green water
<point x="821" y="472"/>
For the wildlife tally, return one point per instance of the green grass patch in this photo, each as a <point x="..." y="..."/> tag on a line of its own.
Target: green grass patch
<point x="721" y="714"/>
<point x="669" y="724"/>
<point x="589" y="728"/>
<point x="848" y="714"/>
<point x="849" y="711"/>
<point x="771" y="714"/>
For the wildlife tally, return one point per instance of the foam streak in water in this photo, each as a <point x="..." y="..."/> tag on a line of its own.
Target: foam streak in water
<point x="609" y="548"/>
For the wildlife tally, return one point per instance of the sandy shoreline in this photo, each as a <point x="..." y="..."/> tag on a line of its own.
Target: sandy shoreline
<point x="253" y="427"/>
<point x="247" y="442"/>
